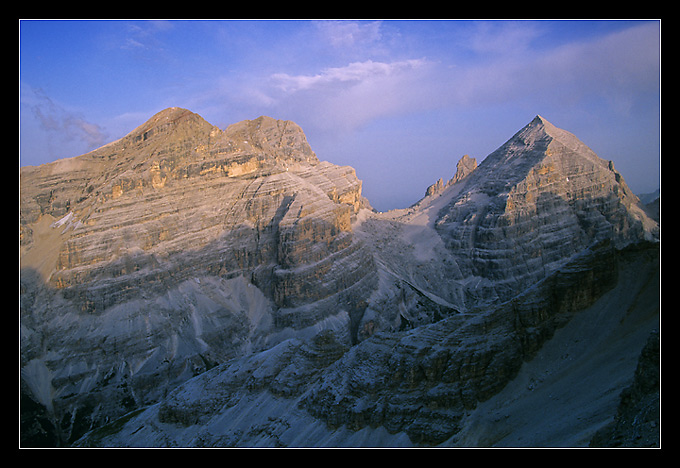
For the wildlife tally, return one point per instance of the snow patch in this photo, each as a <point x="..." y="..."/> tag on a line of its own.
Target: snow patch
<point x="68" y="221"/>
<point x="39" y="380"/>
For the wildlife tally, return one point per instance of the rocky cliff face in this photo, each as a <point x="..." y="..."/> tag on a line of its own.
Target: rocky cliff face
<point x="498" y="228"/>
<point x="434" y="385"/>
<point x="183" y="248"/>
<point x="177" y="197"/>
<point x="178" y="246"/>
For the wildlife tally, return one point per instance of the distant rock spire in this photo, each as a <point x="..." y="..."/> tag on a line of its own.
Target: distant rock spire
<point x="435" y="188"/>
<point x="464" y="167"/>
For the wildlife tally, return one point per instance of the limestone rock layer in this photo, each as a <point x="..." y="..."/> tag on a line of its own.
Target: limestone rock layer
<point x="183" y="250"/>
<point x="178" y="197"/>
<point x="499" y="227"/>
<point x="138" y="259"/>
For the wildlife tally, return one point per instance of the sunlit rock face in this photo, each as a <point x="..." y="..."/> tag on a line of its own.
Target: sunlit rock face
<point x="537" y="200"/>
<point x="178" y="196"/>
<point x="500" y="226"/>
<point x="182" y="249"/>
<point x="178" y="246"/>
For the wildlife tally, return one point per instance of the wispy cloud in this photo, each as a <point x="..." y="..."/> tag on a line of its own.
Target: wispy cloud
<point x="511" y="64"/>
<point x="616" y="67"/>
<point x="62" y="123"/>
<point x="494" y="38"/>
<point x="621" y="65"/>
<point x="355" y="73"/>
<point x="143" y="35"/>
<point x="349" y="96"/>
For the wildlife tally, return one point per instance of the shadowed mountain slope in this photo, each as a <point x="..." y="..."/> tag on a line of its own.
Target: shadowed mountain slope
<point x="227" y="287"/>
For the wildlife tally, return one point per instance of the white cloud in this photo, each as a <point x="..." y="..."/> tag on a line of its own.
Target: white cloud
<point x="347" y="97"/>
<point x="511" y="66"/>
<point x="614" y="68"/>
<point x="355" y="73"/>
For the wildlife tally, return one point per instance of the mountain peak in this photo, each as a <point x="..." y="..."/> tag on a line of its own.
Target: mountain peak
<point x="272" y="136"/>
<point x="166" y="127"/>
<point x="542" y="119"/>
<point x="539" y="120"/>
<point x="183" y="249"/>
<point x="545" y="164"/>
<point x="171" y="115"/>
<point x="536" y="140"/>
<point x="539" y="127"/>
<point x="464" y="167"/>
<point x="547" y="126"/>
<point x="172" y="112"/>
<point x="567" y="139"/>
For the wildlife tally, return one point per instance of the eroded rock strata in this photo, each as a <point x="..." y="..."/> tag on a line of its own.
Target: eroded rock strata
<point x="150" y="259"/>
<point x="236" y="262"/>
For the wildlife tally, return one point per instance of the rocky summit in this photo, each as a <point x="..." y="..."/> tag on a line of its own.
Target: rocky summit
<point x="196" y="287"/>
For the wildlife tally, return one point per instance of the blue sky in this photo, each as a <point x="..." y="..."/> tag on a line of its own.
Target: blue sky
<point x="400" y="101"/>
